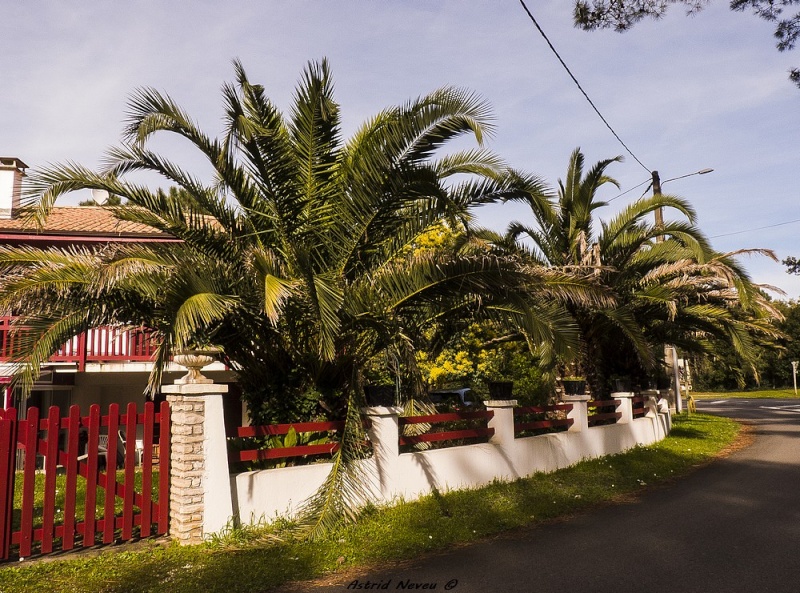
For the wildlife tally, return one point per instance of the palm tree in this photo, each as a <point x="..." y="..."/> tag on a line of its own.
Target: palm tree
<point x="672" y="291"/>
<point x="294" y="257"/>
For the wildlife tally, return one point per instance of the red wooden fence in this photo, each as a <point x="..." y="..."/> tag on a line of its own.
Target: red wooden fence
<point x="602" y="413"/>
<point x="445" y="435"/>
<point x="639" y="405"/>
<point x="71" y="446"/>
<point x="548" y="418"/>
<point x="286" y="452"/>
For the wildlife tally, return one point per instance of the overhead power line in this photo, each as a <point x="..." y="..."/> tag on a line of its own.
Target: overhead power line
<point x="631" y="189"/>
<point x="575" y="80"/>
<point x="761" y="228"/>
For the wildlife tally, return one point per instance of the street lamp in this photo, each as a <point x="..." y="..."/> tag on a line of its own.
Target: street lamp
<point x="657" y="183"/>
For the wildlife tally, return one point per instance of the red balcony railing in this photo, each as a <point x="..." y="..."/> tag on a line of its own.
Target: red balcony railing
<point x="100" y="344"/>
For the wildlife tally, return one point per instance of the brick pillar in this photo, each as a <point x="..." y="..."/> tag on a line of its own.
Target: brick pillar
<point x="200" y="493"/>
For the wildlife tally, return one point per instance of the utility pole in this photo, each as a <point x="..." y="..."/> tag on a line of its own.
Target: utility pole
<point x="671" y="360"/>
<point x="670" y="357"/>
<point x="659" y="210"/>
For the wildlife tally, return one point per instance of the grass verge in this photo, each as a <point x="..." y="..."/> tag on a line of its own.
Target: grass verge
<point x="761" y="394"/>
<point x="250" y="560"/>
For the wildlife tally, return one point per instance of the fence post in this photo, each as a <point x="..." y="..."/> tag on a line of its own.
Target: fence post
<point x="579" y="412"/>
<point x="200" y="485"/>
<point x="625" y="406"/>
<point x="502" y="421"/>
<point x="384" y="433"/>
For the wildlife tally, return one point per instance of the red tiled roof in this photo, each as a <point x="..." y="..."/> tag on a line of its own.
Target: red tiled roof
<point x="81" y="221"/>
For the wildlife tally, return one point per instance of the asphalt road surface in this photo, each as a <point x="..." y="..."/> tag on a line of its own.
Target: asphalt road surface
<point x="733" y="526"/>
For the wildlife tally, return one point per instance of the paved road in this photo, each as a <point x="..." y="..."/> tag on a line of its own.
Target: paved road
<point x="731" y="527"/>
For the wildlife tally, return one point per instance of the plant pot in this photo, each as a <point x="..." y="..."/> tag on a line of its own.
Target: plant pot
<point x="501" y="390"/>
<point x="574" y="386"/>
<point x="663" y="383"/>
<point x="622" y="385"/>
<point x="379" y="395"/>
<point x="194" y="360"/>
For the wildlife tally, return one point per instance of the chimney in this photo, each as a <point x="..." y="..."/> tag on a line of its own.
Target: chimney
<point x="12" y="170"/>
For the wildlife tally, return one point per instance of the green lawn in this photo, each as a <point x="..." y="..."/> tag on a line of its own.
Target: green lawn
<point x="80" y="497"/>
<point x="761" y="394"/>
<point x="252" y="560"/>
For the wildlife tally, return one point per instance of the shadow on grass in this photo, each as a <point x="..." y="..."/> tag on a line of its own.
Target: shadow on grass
<point x="407" y="530"/>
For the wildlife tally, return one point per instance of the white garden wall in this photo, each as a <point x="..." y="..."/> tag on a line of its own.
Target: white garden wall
<point x="267" y="494"/>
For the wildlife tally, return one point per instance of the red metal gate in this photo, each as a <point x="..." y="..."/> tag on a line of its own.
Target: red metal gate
<point x="89" y="465"/>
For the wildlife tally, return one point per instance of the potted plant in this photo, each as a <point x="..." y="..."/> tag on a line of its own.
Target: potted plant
<point x="500" y="390"/>
<point x="622" y="383"/>
<point x="379" y="395"/>
<point x="574" y="385"/>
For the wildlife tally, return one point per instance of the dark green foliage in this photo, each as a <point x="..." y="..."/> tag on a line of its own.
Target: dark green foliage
<point x="621" y="15"/>
<point x="722" y="369"/>
<point x="792" y="264"/>
<point x="665" y="284"/>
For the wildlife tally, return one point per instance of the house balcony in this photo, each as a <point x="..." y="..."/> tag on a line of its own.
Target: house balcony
<point x="100" y="345"/>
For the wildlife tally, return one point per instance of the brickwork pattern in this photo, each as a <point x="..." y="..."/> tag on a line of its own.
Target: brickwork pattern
<point x="186" y="469"/>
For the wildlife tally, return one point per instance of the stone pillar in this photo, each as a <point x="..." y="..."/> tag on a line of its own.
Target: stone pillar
<point x="502" y="421"/>
<point x="384" y="433"/>
<point x="625" y="406"/>
<point x="200" y="492"/>
<point x="652" y="402"/>
<point x="579" y="412"/>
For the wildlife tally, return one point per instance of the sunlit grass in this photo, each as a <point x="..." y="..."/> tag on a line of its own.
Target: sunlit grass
<point x="80" y="497"/>
<point x="250" y="560"/>
<point x="760" y="394"/>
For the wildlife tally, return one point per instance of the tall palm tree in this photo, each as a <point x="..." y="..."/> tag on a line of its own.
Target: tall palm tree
<point x="294" y="256"/>
<point x="672" y="291"/>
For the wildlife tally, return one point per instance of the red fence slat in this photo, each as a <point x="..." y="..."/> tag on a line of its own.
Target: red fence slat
<point x="542" y="409"/>
<point x="71" y="483"/>
<point x="89" y="522"/>
<point x="29" y="483"/>
<point x="449" y="435"/>
<point x="541" y="424"/>
<point x="147" y="470"/>
<point x="110" y="474"/>
<point x="285" y="452"/>
<point x="446" y="417"/>
<point x="639" y="406"/>
<point x="8" y="458"/>
<point x="130" y="472"/>
<point x="163" y="468"/>
<point x="50" y="465"/>
<point x="279" y="429"/>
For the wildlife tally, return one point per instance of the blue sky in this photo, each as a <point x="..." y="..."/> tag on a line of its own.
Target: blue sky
<point x="684" y="93"/>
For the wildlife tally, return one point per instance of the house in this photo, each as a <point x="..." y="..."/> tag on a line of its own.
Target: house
<point x="105" y="365"/>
